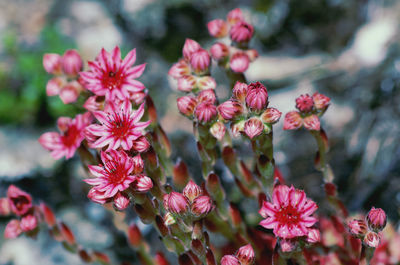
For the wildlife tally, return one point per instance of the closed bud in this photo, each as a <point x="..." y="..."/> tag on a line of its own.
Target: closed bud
<point x="20" y="201"/>
<point x="257" y="96"/>
<point x="237" y="128"/>
<point x="293" y="121"/>
<point x="252" y="53"/>
<point x="66" y="233"/>
<point x="304" y="103"/>
<point x="230" y="109"/>
<point x="207" y="95"/>
<point x="313" y="236"/>
<point x="189" y="48"/>
<point x="54" y="86"/>
<point x="140" y="144"/>
<point x="229" y="260"/>
<point x="52" y="63"/>
<point x="241" y="32"/>
<point x="70" y="92"/>
<point x="28" y="223"/>
<point x="357" y="227"/>
<point x="239" y="62"/>
<point x="121" y="201"/>
<point x="321" y="101"/>
<point x="176" y="203"/>
<point x="253" y="127"/>
<point x="376" y="219"/>
<point x="219" y="51"/>
<point x="180" y="174"/>
<point x="240" y="91"/>
<point x="71" y="62"/>
<point x="235" y="16"/>
<point x="372" y="239"/>
<point x="288" y="245"/>
<point x="179" y="69"/>
<point x="187" y="83"/>
<point x="94" y="103"/>
<point x="12" y="229"/>
<point x="217" y="28"/>
<point x="160" y="259"/>
<point x="48" y="215"/>
<point x="192" y="191"/>
<point x="169" y="219"/>
<point x="202" y="206"/>
<point x="246" y="255"/>
<point x="134" y="235"/>
<point x="205" y="112"/>
<point x="97" y="196"/>
<point x="142" y="183"/>
<point x="218" y="130"/>
<point x="271" y="115"/>
<point x="5" y="208"/>
<point x="138" y="164"/>
<point x="312" y="123"/>
<point x="186" y="105"/>
<point x="206" y="82"/>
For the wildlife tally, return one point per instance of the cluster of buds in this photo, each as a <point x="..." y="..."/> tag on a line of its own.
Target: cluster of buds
<point x="368" y="230"/>
<point x="243" y="256"/>
<point x="65" y="83"/>
<point x="235" y="56"/>
<point x="191" y="202"/>
<point x="310" y="109"/>
<point x="248" y="110"/>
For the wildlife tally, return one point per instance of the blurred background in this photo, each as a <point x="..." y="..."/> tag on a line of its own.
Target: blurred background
<point x="346" y="49"/>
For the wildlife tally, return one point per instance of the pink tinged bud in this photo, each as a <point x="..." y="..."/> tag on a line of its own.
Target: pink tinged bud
<point x="320" y="101"/>
<point x="241" y="32"/>
<point x="5" y="207"/>
<point x="54" y="86"/>
<point x="207" y="95"/>
<point x="253" y="127"/>
<point x="12" y="229"/>
<point x="138" y="164"/>
<point x="246" y="255"/>
<point x="179" y="69"/>
<point x="138" y="97"/>
<point x="288" y="245"/>
<point x="94" y="103"/>
<point x="257" y="96"/>
<point x="67" y="234"/>
<point x="313" y="236"/>
<point x="312" y="123"/>
<point x="134" y="235"/>
<point x="240" y="91"/>
<point x="200" y="60"/>
<point x="304" y="103"/>
<point x="206" y="82"/>
<point x="271" y="115"/>
<point x="237" y="128"/>
<point x="189" y="48"/>
<point x="219" y="51"/>
<point x="176" y="203"/>
<point x="234" y="16"/>
<point x="293" y="121"/>
<point x="28" y="223"/>
<point x="186" y="105"/>
<point x="121" y="201"/>
<point x="372" y="239"/>
<point x="229" y="260"/>
<point x="187" y="83"/>
<point x="218" y="130"/>
<point x="169" y="219"/>
<point x="142" y="183"/>
<point x="205" y="112"/>
<point x="253" y="54"/>
<point x="97" y="196"/>
<point x="192" y="191"/>
<point x="230" y="109"/>
<point x="141" y="144"/>
<point x="48" y="215"/>
<point x="202" y="206"/>
<point x="20" y="201"/>
<point x="70" y="92"/>
<point x="376" y="219"/>
<point x="217" y="28"/>
<point x="239" y="62"/>
<point x="357" y="228"/>
<point x="71" y="62"/>
<point x="52" y="63"/>
<point x="63" y="123"/>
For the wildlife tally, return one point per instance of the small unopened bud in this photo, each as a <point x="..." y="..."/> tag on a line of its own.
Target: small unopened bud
<point x="28" y="223"/>
<point x="169" y="219"/>
<point x="70" y="92"/>
<point x="304" y="103"/>
<point x="5" y="208"/>
<point x="230" y="109"/>
<point x="134" y="235"/>
<point x="217" y="28"/>
<point x="52" y="63"/>
<point x="253" y="127"/>
<point x="207" y="95"/>
<point x="246" y="255"/>
<point x="138" y="164"/>
<point x="235" y="16"/>
<point x="376" y="219"/>
<point x="257" y="96"/>
<point x="229" y="260"/>
<point x="205" y="112"/>
<point x="186" y="105"/>
<point x="160" y="259"/>
<point x="121" y="201"/>
<point x="237" y="128"/>
<point x="271" y="115"/>
<point x="12" y="229"/>
<point x="312" y="123"/>
<point x="320" y="101"/>
<point x="179" y="69"/>
<point x="187" y="83"/>
<point x="177" y="203"/>
<point x="192" y="191"/>
<point x="206" y="82"/>
<point x="241" y="32"/>
<point x="357" y="227"/>
<point x="288" y="245"/>
<point x="372" y="239"/>
<point x="71" y="62"/>
<point x="140" y="144"/>
<point x="20" y="201"/>
<point x="219" y="51"/>
<point x="67" y="233"/>
<point x="293" y="121"/>
<point x="142" y="183"/>
<point x="240" y="91"/>
<point x="218" y="130"/>
<point x="54" y="86"/>
<point x="189" y="48"/>
<point x="239" y="62"/>
<point x="202" y="206"/>
<point x="313" y="236"/>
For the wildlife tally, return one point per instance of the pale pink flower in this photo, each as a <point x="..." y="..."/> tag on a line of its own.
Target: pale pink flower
<point x="217" y="28"/>
<point x="52" y="63"/>
<point x="176" y="203"/>
<point x="70" y="92"/>
<point x="142" y="183"/>
<point x="320" y="101"/>
<point x="202" y="206"/>
<point x="253" y="127"/>
<point x="207" y="95"/>
<point x="289" y="214"/>
<point x="179" y="69"/>
<point x="246" y="255"/>
<point x="71" y="62"/>
<point x="271" y="115"/>
<point x="20" y="201"/>
<point x="186" y="105"/>
<point x="376" y="219"/>
<point x="219" y="51"/>
<point x="28" y="223"/>
<point x="241" y="32"/>
<point x="218" y="130"/>
<point x="66" y="143"/>
<point x="119" y="126"/>
<point x="312" y="123"/>
<point x="54" y="86"/>
<point x="229" y="260"/>
<point x="372" y="239"/>
<point x="114" y="175"/>
<point x="112" y="77"/>
<point x="235" y="16"/>
<point x="239" y="62"/>
<point x="304" y="103"/>
<point x="230" y="109"/>
<point x="292" y="121"/>
<point x="187" y="83"/>
<point x="200" y="60"/>
<point x="192" y="191"/>
<point x="121" y="201"/>
<point x="12" y="229"/>
<point x="205" y="112"/>
<point x="257" y="96"/>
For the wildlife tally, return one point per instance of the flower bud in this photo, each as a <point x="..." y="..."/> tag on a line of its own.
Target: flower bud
<point x="257" y="96"/>
<point x="52" y="63"/>
<point x="218" y="130"/>
<point x="292" y="121"/>
<point x="138" y="97"/>
<point x="288" y="245"/>
<point x="206" y="82"/>
<point x="217" y="28"/>
<point x="94" y="103"/>
<point x="240" y="91"/>
<point x="169" y="219"/>
<point x="202" y="206"/>
<point x="121" y="201"/>
<point x="67" y="234"/>
<point x="54" y="86"/>
<point x="235" y="16"/>
<point x="207" y="95"/>
<point x="246" y="255"/>
<point x="219" y="51"/>
<point x="320" y="101"/>
<point x="48" y="215"/>
<point x="312" y="123"/>
<point x="176" y="203"/>
<point x="70" y="92"/>
<point x="20" y="201"/>
<point x="304" y="103"/>
<point x="142" y="183"/>
<point x="134" y="235"/>
<point x="241" y="32"/>
<point x="205" y="112"/>
<point x="230" y="109"/>
<point x="186" y="83"/>
<point x="138" y="164"/>
<point x="271" y="115"/>
<point x="357" y="227"/>
<point x="229" y="260"/>
<point x="97" y="196"/>
<point x="28" y="223"/>
<point x="186" y="105"/>
<point x="189" y="48"/>
<point x="5" y="207"/>
<point x="237" y="128"/>
<point x="252" y="54"/>
<point x="140" y="144"/>
<point x="200" y="61"/>
<point x="313" y="236"/>
<point x="192" y="191"/>
<point x="71" y="62"/>
<point x="372" y="239"/>
<point x="239" y="62"/>
<point x="179" y="69"/>
<point x="376" y="219"/>
<point x="12" y="229"/>
<point x="253" y="127"/>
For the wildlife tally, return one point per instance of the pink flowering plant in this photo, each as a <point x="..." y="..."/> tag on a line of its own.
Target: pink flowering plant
<point x="126" y="155"/>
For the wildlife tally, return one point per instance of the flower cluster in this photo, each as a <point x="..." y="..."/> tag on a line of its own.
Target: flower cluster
<point x="243" y="256"/>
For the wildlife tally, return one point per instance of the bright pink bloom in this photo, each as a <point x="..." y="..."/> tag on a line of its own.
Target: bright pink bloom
<point x="114" y="175"/>
<point x="71" y="62"/>
<point x="253" y="127"/>
<point x="207" y="95"/>
<point x="176" y="203"/>
<point x="357" y="227"/>
<point x="140" y="145"/>
<point x="246" y="255"/>
<point x="52" y="63"/>
<point x="200" y="60"/>
<point x="376" y="219"/>
<point x="202" y="206"/>
<point x="12" y="229"/>
<point x="186" y="105"/>
<point x="112" y="77"/>
<point x="241" y="32"/>
<point x="119" y="126"/>
<point x="70" y="92"/>
<point x="206" y="82"/>
<point x="289" y="213"/>
<point x="187" y="83"/>
<point x="235" y="16"/>
<point x="292" y="121"/>
<point x="271" y="115"/>
<point x="218" y="130"/>
<point x="94" y="103"/>
<point x="142" y="183"/>
<point x="372" y="239"/>
<point x="239" y="62"/>
<point x="54" y="86"/>
<point x="304" y="103"/>
<point x="20" y="201"/>
<point x="192" y="191"/>
<point x="219" y="51"/>
<point x="230" y="109"/>
<point x="97" y="196"/>
<point x="320" y="101"/>
<point x="229" y="260"/>
<point x="240" y="91"/>
<point x="217" y="28"/>
<point x="314" y="236"/>
<point x="66" y="143"/>
<point x="205" y="112"/>
<point x="190" y="47"/>
<point x="257" y="96"/>
<point x="121" y="201"/>
<point x="5" y="207"/>
<point x="312" y="123"/>
<point x="28" y="223"/>
<point x="179" y="69"/>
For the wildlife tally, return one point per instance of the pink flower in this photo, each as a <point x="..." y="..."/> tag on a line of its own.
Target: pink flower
<point x="54" y="86"/>
<point x="357" y="227"/>
<point x="186" y="105"/>
<point x="376" y="219"/>
<point x="112" y="77"/>
<point x="121" y="201"/>
<point x="230" y="109"/>
<point x="190" y="47"/>
<point x="271" y="115"/>
<point x="176" y="203"/>
<point x="71" y="62"/>
<point x="235" y="16"/>
<point x="241" y="32"/>
<point x="372" y="239"/>
<point x="200" y="60"/>
<point x="219" y="51"/>
<point x="312" y="123"/>
<point x="257" y="96"/>
<point x="218" y="130"/>
<point x="70" y="92"/>
<point x="114" y="175"/>
<point x="186" y="83"/>
<point x="246" y="255"/>
<point x="217" y="28"/>
<point x="205" y="112"/>
<point x="207" y="95"/>
<point x="239" y="62"/>
<point x="179" y="69"/>
<point x="28" y="223"/>
<point x="192" y="191"/>
<point x="52" y="63"/>
<point x="253" y="127"/>
<point x="119" y="127"/>
<point x="237" y="128"/>
<point x="229" y="260"/>
<point x="142" y="183"/>
<point x="20" y="201"/>
<point x="12" y="229"/>
<point x="202" y="206"/>
<point x="240" y="91"/>
<point x="66" y="143"/>
<point x="314" y="236"/>
<point x="320" y="101"/>
<point x="293" y="121"/>
<point x="304" y="103"/>
<point x="289" y="213"/>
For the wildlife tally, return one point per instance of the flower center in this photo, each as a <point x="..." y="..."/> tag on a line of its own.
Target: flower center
<point x="112" y="80"/>
<point x="115" y="171"/>
<point x="288" y="215"/>
<point x="20" y="202"/>
<point x="120" y="124"/>
<point x="71" y="136"/>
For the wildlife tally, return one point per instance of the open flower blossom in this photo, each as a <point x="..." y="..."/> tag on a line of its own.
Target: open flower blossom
<point x="70" y="138"/>
<point x="119" y="126"/>
<point x="289" y="214"/>
<point x="112" y="77"/>
<point x="20" y="201"/>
